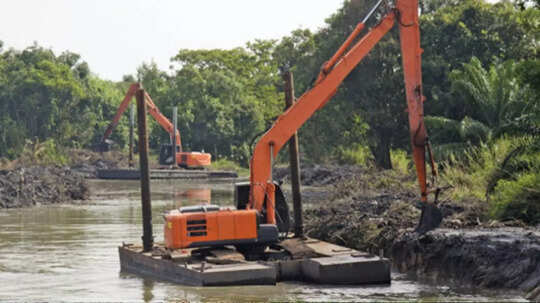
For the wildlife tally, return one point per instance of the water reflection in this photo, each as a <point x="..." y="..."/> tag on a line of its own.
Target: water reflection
<point x="148" y="287"/>
<point x="192" y="196"/>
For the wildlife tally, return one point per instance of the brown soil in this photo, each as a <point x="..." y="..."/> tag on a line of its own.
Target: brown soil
<point x="22" y="187"/>
<point x="86" y="162"/>
<point x="372" y="210"/>
<point x="495" y="258"/>
<point x="320" y="175"/>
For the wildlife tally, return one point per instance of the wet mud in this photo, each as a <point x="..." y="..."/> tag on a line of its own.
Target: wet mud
<point x="37" y="185"/>
<point x="491" y="258"/>
<point x="377" y="211"/>
<point x="86" y="163"/>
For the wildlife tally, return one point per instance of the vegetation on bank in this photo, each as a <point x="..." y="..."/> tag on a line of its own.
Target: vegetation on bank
<point x="480" y="71"/>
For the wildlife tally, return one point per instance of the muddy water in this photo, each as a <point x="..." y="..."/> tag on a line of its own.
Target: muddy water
<point x="69" y="253"/>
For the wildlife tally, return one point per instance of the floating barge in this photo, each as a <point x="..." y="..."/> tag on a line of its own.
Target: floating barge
<point x="134" y="174"/>
<point x="292" y="260"/>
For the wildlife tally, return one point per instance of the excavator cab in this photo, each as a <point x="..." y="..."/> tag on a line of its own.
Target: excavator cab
<point x="166" y="156"/>
<point x="188" y="160"/>
<point x="103" y="146"/>
<point x="241" y="198"/>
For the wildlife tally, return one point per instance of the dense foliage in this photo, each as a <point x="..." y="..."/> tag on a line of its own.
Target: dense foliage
<point x="43" y="96"/>
<point x="481" y="74"/>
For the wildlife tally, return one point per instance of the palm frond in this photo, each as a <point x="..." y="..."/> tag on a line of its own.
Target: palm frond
<point x="474" y="131"/>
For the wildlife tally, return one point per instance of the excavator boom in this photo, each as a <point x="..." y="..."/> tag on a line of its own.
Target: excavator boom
<point x="184" y="159"/>
<point x="152" y="109"/>
<point x="332" y="75"/>
<point x="262" y="198"/>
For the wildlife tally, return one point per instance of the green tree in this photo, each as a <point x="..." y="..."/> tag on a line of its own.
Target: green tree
<point x="453" y="34"/>
<point x="44" y="96"/>
<point x="496" y="103"/>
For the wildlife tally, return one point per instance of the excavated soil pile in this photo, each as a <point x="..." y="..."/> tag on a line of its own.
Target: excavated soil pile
<point x="30" y="186"/>
<point x="86" y="163"/>
<point x="378" y="210"/>
<point x="320" y="175"/>
<point x="495" y="258"/>
<point x="364" y="212"/>
<point x="367" y="209"/>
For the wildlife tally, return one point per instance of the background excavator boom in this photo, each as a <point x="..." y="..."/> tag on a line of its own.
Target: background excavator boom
<point x="168" y="154"/>
<point x="152" y="109"/>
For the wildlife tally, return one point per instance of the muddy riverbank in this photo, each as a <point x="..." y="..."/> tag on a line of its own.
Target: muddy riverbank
<point x="38" y="185"/>
<point x="377" y="211"/>
<point x="365" y="210"/>
<point x="492" y="258"/>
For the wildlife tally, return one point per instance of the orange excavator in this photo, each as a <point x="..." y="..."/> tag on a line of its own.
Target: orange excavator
<point x="261" y="215"/>
<point x="190" y="160"/>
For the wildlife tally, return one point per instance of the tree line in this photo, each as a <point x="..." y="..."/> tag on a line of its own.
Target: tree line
<point x="480" y="73"/>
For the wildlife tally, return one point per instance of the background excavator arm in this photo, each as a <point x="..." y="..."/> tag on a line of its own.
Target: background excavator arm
<point x="161" y="119"/>
<point x="152" y="109"/>
<point x="331" y="76"/>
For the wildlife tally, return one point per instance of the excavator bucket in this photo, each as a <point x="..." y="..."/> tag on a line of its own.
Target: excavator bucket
<point x="430" y="218"/>
<point x="103" y="146"/>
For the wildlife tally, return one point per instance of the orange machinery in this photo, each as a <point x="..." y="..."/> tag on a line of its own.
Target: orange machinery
<point x="261" y="197"/>
<point x="192" y="160"/>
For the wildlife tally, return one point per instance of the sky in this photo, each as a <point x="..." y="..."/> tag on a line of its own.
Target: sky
<point x="116" y="36"/>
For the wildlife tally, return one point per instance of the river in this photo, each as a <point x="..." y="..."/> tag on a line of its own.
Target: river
<point x="69" y="253"/>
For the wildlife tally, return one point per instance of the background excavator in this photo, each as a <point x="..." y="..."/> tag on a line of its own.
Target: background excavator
<point x="261" y="212"/>
<point x="190" y="160"/>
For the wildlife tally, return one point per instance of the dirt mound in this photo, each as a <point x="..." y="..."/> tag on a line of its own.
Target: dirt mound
<point x="320" y="175"/>
<point x="86" y="162"/>
<point x="35" y="185"/>
<point x="366" y="211"/>
<point x="378" y="210"/>
<point x="495" y="258"/>
<point x="370" y="209"/>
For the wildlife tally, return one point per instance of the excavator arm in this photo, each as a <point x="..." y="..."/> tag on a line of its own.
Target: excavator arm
<point x="152" y="109"/>
<point x="331" y="76"/>
<point x="161" y="119"/>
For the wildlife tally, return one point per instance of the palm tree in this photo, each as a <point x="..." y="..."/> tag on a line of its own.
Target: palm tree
<point x="495" y="103"/>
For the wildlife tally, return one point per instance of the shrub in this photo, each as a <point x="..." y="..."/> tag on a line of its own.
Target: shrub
<point x="504" y="173"/>
<point x="43" y="153"/>
<point x="225" y="164"/>
<point x="518" y="199"/>
<point x="356" y="155"/>
<point x="401" y="162"/>
<point x="469" y="175"/>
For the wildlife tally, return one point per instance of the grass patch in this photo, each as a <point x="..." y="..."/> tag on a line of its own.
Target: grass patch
<point x="356" y="155"/>
<point x="518" y="199"/>
<point x="469" y="176"/>
<point x="225" y="164"/>
<point x="401" y="161"/>
<point x="43" y="153"/>
<point x="504" y="176"/>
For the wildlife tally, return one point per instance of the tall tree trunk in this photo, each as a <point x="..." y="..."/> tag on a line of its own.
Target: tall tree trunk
<point x="381" y="153"/>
